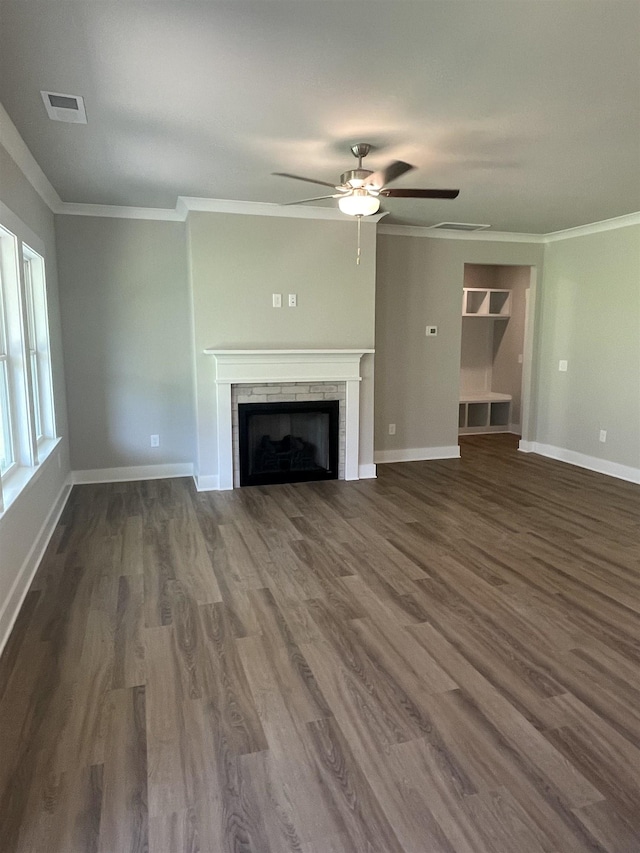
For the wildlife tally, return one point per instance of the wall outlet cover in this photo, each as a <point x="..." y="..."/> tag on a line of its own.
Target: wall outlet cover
<point x="563" y="365"/>
<point x="430" y="331"/>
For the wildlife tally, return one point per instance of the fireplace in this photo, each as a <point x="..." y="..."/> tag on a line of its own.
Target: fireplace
<point x="288" y="442"/>
<point x="299" y="375"/>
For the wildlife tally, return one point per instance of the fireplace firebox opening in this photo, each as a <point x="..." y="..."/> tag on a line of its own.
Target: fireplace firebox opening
<point x="288" y="442"/>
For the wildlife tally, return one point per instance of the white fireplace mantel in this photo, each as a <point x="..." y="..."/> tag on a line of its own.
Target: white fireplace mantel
<point x="237" y="367"/>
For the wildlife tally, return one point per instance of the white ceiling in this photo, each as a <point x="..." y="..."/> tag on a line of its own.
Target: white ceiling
<point x="530" y="107"/>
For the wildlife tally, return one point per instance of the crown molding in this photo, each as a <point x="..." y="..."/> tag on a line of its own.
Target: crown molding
<point x="428" y="231"/>
<point x="16" y="148"/>
<point x="259" y="208"/>
<point x="513" y="236"/>
<point x="68" y="208"/>
<point x="594" y="227"/>
<point x="186" y="205"/>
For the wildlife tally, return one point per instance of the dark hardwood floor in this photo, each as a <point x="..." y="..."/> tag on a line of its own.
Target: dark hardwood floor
<point x="443" y="660"/>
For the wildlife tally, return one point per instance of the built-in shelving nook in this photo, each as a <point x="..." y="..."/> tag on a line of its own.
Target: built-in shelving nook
<point x="486" y="302"/>
<point x="493" y="323"/>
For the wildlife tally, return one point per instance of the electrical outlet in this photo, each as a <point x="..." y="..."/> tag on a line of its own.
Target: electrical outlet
<point x="603" y="435"/>
<point x="276" y="299"/>
<point x="392" y="429"/>
<point x="562" y="366"/>
<point x="293" y="300"/>
<point x="155" y="441"/>
<point x="430" y="331"/>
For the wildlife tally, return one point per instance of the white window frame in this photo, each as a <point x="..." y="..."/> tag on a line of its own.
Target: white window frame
<point x="25" y="355"/>
<point x="38" y="344"/>
<point x="32" y="347"/>
<point x="6" y="400"/>
<point x="8" y="279"/>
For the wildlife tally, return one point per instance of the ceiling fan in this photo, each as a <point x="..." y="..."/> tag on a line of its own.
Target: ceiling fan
<point x="359" y="190"/>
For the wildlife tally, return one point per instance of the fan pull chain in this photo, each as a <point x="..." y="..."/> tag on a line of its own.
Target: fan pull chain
<point x="359" y="218"/>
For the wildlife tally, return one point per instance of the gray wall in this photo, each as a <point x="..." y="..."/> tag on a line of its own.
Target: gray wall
<point x="238" y="262"/>
<point x="419" y="283"/>
<point x="23" y="522"/>
<point x="127" y="340"/>
<point x="507" y="370"/>
<point x="590" y="316"/>
<point x="133" y="359"/>
<point x="490" y="348"/>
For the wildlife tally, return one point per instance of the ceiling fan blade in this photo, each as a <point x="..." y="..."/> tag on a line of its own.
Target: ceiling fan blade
<point x="389" y="173"/>
<point x="300" y="178"/>
<point x="317" y="198"/>
<point x="406" y="193"/>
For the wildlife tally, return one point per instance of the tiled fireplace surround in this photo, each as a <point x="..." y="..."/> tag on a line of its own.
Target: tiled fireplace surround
<point x="244" y="376"/>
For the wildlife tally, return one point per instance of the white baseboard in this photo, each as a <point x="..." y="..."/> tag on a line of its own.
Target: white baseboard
<point x="20" y="586"/>
<point x="367" y="472"/>
<point x="418" y="454"/>
<point x="135" y="472"/>
<point x="207" y="482"/>
<point x="592" y="463"/>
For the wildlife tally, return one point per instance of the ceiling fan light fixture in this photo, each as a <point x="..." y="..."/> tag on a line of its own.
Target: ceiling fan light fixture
<point x="359" y="203"/>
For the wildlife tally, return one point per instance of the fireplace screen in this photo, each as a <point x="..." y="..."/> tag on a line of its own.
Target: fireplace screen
<point x="288" y="442"/>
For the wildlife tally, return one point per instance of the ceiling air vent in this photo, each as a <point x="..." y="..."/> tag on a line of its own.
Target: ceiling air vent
<point x="458" y="226"/>
<point x="64" y="107"/>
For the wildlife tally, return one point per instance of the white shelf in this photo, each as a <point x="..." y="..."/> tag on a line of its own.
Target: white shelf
<point x="484" y="411"/>
<point x="484" y="397"/>
<point x="486" y="302"/>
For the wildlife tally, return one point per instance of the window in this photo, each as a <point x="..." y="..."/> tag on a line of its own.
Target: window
<point x="27" y="423"/>
<point x="7" y="455"/>
<point x="37" y="341"/>
<point x="32" y="347"/>
<point x="7" y="425"/>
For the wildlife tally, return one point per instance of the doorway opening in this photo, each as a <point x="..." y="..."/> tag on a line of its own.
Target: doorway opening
<point x="496" y="349"/>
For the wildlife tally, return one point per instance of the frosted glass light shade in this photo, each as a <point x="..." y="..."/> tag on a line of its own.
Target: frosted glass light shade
<point x="359" y="203"/>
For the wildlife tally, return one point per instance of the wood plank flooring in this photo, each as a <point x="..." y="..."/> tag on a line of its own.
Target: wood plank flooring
<point x="443" y="660"/>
